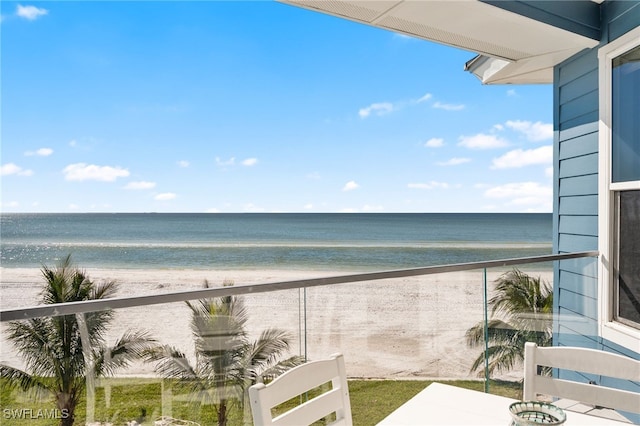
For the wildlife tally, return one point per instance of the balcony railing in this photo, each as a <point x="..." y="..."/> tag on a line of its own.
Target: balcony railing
<point x="403" y="324"/>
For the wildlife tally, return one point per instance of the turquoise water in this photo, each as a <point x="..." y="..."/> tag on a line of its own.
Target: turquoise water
<point x="364" y="242"/>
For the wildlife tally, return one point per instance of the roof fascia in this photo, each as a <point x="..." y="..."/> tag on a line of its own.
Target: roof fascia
<point x="577" y="16"/>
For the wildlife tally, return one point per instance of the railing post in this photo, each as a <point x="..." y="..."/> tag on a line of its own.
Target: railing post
<point x="89" y="367"/>
<point x="302" y="321"/>
<point x="166" y="397"/>
<point x="486" y="331"/>
<point x="304" y="292"/>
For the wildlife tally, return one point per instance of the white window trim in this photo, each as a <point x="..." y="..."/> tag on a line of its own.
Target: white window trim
<point x="615" y="332"/>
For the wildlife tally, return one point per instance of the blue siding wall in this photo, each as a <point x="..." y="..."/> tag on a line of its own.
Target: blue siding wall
<point x="576" y="210"/>
<point x="576" y="188"/>
<point x="576" y="182"/>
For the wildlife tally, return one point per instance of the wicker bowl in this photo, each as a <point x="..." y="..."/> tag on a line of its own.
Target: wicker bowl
<point x="528" y="413"/>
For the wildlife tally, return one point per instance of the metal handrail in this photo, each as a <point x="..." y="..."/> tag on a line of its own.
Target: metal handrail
<point x="86" y="306"/>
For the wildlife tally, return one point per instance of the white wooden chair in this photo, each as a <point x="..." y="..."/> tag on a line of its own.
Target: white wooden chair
<point x="582" y="360"/>
<point x="298" y="381"/>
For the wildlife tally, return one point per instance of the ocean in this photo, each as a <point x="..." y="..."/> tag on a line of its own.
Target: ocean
<point x="251" y="241"/>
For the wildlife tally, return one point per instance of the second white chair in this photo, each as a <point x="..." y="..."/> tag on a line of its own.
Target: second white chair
<point x="298" y="381"/>
<point x="583" y="360"/>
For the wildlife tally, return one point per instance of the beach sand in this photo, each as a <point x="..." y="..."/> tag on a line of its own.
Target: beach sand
<point x="394" y="328"/>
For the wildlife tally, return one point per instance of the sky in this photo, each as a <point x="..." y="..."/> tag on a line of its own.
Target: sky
<point x="254" y="106"/>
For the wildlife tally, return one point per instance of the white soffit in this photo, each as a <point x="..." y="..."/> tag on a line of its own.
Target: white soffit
<point x="466" y="24"/>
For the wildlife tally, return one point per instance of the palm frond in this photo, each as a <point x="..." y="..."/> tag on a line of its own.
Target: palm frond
<point x="521" y="311"/>
<point x="171" y="363"/>
<point x="227" y="361"/>
<point x="52" y="347"/>
<point x="277" y="369"/>
<point x="269" y="347"/>
<point x="497" y="330"/>
<point x="132" y="346"/>
<point x="16" y="378"/>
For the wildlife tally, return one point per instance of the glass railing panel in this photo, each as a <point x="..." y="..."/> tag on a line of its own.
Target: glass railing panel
<point x="187" y="361"/>
<point x="398" y="328"/>
<point x="549" y="303"/>
<point x="406" y="325"/>
<point x="519" y="309"/>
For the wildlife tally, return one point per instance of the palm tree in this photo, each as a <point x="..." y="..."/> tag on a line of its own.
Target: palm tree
<point x="521" y="312"/>
<point x="227" y="362"/>
<point x="58" y="360"/>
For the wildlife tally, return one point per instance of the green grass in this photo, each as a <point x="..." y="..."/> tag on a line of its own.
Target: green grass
<point x="371" y="401"/>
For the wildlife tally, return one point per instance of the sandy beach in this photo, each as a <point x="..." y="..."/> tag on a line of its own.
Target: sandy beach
<point x="395" y="328"/>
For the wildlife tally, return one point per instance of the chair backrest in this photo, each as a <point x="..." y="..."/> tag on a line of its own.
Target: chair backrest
<point x="298" y="381"/>
<point x="583" y="360"/>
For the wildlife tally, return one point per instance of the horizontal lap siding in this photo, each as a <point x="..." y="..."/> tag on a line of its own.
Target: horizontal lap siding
<point x="576" y="117"/>
<point x="578" y="205"/>
<point x="579" y="225"/>
<point x="576" y="215"/>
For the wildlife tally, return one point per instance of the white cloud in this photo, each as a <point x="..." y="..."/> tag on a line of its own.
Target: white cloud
<point x="402" y="37"/>
<point x="73" y="143"/>
<point x="534" y="132"/>
<point x="13" y="169"/>
<point x="511" y="92"/>
<point x="140" y="185"/>
<point x="212" y="210"/>
<point x="230" y="162"/>
<point x="448" y="107"/>
<point x="384" y="108"/>
<point x="308" y="206"/>
<point x="42" y="152"/>
<point x="425" y="98"/>
<point x="314" y="176"/>
<point x="370" y="208"/>
<point x="250" y="162"/>
<point x="482" y="141"/>
<point x="165" y="196"/>
<point x="434" y="143"/>
<point x="252" y="208"/>
<point x="429" y="185"/>
<point x="183" y="163"/>
<point x="73" y="207"/>
<point x="521" y="158"/>
<point x="524" y="194"/>
<point x="380" y="108"/>
<point x="10" y="204"/>
<point x="454" y="161"/>
<point x="30" y="12"/>
<point x="350" y="186"/>
<point x="83" y="171"/>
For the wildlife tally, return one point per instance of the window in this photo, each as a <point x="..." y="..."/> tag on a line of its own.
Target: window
<point x="627" y="266"/>
<point x="619" y="192"/>
<point x="625" y="117"/>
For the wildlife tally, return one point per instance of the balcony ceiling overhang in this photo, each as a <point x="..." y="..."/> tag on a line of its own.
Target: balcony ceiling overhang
<point x="512" y="48"/>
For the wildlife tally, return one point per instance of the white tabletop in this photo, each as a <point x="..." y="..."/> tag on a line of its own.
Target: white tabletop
<point x="440" y="404"/>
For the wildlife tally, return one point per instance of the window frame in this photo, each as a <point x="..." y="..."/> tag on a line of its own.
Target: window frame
<point x="614" y="331"/>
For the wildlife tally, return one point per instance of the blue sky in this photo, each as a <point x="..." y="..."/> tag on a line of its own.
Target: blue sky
<point x="214" y="106"/>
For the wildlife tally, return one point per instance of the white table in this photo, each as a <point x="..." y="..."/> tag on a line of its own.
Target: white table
<point x="440" y="404"/>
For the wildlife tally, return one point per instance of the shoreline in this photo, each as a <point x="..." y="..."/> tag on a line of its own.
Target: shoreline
<point x="408" y="327"/>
